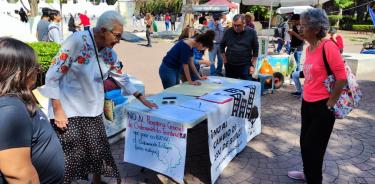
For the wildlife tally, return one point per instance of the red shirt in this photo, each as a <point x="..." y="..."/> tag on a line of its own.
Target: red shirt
<point x="339" y="41"/>
<point x="85" y="21"/>
<point x="315" y="71"/>
<point x="167" y="18"/>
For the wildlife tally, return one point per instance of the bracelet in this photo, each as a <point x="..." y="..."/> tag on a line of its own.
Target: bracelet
<point x="138" y="95"/>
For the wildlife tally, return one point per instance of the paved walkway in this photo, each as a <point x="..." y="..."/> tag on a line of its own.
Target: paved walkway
<point x="350" y="157"/>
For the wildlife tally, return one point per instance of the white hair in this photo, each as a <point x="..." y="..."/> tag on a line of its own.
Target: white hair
<point x="108" y="18"/>
<point x="317" y="18"/>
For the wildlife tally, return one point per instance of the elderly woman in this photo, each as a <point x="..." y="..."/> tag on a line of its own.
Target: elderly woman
<point x="74" y="83"/>
<point x="30" y="151"/>
<point x="317" y="117"/>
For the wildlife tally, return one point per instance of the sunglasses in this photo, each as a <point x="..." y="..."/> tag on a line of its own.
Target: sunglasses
<point x="168" y="102"/>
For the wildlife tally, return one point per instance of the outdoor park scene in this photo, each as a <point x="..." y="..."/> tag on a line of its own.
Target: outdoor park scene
<point x="187" y="91"/>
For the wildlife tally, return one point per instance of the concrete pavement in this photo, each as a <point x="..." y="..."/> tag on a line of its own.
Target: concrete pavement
<point x="350" y="157"/>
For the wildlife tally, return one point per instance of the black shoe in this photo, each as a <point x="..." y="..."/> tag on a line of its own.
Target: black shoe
<point x="148" y="45"/>
<point x="296" y="94"/>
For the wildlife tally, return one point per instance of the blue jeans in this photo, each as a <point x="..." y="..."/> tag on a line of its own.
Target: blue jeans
<point x="212" y="55"/>
<point x="297" y="56"/>
<point x="280" y="44"/>
<point x="295" y="76"/>
<point x="169" y="76"/>
<point x="166" y="25"/>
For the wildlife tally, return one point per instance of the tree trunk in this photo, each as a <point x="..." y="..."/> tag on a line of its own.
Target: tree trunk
<point x="189" y="15"/>
<point x="33" y="7"/>
<point x="338" y="20"/>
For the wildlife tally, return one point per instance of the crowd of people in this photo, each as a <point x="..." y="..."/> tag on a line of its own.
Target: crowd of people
<point x="49" y="29"/>
<point x="70" y="142"/>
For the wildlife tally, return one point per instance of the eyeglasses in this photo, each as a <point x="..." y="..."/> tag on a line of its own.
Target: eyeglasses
<point x="117" y="36"/>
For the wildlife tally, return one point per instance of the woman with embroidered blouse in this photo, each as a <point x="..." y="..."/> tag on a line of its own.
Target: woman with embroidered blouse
<point x="74" y="84"/>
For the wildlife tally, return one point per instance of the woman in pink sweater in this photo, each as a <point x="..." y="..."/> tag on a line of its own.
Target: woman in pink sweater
<point x="317" y="117"/>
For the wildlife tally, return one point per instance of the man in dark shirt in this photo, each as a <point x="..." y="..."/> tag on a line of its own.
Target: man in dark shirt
<point x="239" y="49"/>
<point x="297" y="41"/>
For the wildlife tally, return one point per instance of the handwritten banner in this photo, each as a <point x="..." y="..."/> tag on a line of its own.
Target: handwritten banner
<point x="156" y="143"/>
<point x="227" y="137"/>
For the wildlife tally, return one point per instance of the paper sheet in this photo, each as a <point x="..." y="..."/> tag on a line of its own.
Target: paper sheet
<point x="178" y="113"/>
<point x="190" y="90"/>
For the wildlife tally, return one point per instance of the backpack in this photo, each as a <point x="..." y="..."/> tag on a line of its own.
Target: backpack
<point x="280" y="31"/>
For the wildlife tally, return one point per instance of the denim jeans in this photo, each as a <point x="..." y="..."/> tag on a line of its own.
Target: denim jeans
<point x="167" y="25"/>
<point x="295" y="76"/>
<point x="212" y="55"/>
<point x="280" y="44"/>
<point x="297" y="56"/>
<point x="169" y="76"/>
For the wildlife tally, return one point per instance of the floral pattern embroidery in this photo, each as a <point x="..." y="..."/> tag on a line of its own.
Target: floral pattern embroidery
<point x="64" y="59"/>
<point x="64" y="56"/>
<point x="81" y="60"/>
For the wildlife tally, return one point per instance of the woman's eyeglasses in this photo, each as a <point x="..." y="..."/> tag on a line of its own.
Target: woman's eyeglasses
<point x="116" y="35"/>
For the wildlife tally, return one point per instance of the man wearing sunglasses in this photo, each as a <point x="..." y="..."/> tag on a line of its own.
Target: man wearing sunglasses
<point x="239" y="49"/>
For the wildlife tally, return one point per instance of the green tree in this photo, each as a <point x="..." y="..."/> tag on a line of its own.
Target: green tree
<point x="341" y="4"/>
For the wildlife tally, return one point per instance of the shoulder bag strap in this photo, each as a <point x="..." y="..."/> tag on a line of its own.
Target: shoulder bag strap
<point x="97" y="57"/>
<point x="328" y="69"/>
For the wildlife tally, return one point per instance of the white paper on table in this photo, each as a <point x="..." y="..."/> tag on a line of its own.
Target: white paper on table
<point x="200" y="105"/>
<point x="214" y="80"/>
<point x="177" y="113"/>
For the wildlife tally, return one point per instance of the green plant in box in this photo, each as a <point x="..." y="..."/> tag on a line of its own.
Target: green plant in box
<point x="45" y="52"/>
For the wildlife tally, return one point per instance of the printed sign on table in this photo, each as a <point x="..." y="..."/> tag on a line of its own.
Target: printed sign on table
<point x="156" y="143"/>
<point x="227" y="137"/>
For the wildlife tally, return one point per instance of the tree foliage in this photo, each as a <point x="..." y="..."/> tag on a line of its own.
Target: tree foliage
<point x="159" y="6"/>
<point x="343" y="3"/>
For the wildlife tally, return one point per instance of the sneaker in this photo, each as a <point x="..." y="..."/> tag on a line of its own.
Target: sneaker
<point x="297" y="175"/>
<point x="298" y="94"/>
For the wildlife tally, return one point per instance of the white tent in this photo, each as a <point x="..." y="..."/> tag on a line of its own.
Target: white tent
<point x="292" y="9"/>
<point x="281" y="2"/>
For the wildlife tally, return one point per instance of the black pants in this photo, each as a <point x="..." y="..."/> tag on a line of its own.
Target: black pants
<point x="148" y="37"/>
<point x="238" y="71"/>
<point x="317" y="125"/>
